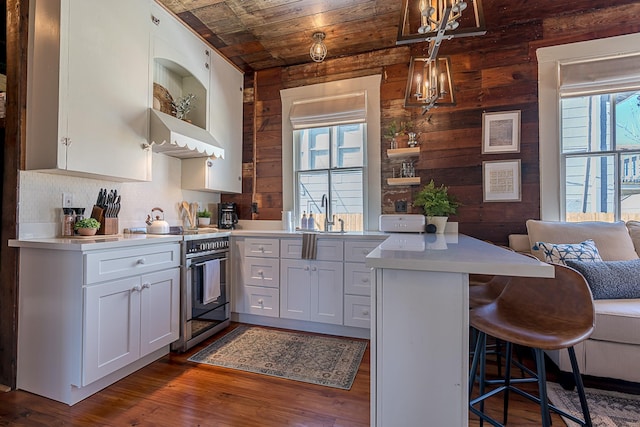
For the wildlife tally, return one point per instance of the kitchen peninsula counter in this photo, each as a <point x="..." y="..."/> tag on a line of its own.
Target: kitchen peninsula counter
<point x="420" y="323"/>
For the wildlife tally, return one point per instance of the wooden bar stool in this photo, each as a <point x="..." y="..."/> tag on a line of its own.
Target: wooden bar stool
<point x="544" y="314"/>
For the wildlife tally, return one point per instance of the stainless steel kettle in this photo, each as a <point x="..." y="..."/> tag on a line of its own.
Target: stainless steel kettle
<point x="157" y="224"/>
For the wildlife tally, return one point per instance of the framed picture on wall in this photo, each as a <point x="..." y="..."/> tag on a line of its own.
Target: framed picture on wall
<point x="501" y="181"/>
<point x="501" y="132"/>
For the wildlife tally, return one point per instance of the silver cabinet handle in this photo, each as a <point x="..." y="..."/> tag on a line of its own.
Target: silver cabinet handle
<point x="260" y="301"/>
<point x="146" y="286"/>
<point x="140" y="261"/>
<point x="306" y="268"/>
<point x="313" y="268"/>
<point x="136" y="288"/>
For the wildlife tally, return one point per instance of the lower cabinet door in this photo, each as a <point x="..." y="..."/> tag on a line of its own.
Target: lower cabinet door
<point x="295" y="289"/>
<point x="159" y="310"/>
<point x="111" y="333"/>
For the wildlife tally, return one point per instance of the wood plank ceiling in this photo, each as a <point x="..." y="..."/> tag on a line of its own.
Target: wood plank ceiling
<point x="261" y="34"/>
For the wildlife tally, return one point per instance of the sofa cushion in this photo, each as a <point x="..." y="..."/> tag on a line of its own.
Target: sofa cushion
<point x="612" y="238"/>
<point x="559" y="253"/>
<point x="617" y="320"/>
<point x="610" y="279"/>
<point x="634" y="232"/>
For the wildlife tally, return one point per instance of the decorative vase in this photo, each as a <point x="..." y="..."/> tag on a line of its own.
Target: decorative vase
<point x="87" y="231"/>
<point x="439" y="221"/>
<point x="204" y="221"/>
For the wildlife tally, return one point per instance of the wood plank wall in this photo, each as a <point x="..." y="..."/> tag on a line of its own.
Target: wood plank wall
<point x="494" y="72"/>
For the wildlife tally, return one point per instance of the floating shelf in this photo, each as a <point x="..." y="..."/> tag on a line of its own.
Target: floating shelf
<point x="394" y="153"/>
<point x="415" y="180"/>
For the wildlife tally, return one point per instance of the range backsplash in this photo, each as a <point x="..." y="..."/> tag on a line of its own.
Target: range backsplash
<point x="40" y="198"/>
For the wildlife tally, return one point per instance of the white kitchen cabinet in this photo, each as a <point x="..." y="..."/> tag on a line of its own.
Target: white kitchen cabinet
<point x="257" y="270"/>
<point x="311" y="290"/>
<point x="357" y="283"/>
<point x="127" y="319"/>
<point x="88" y="88"/>
<point x="96" y="328"/>
<point x="222" y="175"/>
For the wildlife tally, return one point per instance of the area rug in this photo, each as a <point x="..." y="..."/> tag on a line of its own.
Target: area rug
<point x="607" y="408"/>
<point x="323" y="360"/>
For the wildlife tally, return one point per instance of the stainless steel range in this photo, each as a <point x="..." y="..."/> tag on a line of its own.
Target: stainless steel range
<point x="205" y="291"/>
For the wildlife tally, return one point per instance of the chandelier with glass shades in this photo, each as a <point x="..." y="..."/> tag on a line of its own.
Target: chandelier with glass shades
<point x="429" y="83"/>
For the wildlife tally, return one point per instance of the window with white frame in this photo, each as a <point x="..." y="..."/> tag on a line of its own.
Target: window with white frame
<point x="589" y="104"/>
<point x="329" y="171"/>
<point x="331" y="148"/>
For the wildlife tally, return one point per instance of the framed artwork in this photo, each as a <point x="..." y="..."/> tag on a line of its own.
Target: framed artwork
<point x="501" y="181"/>
<point x="501" y="132"/>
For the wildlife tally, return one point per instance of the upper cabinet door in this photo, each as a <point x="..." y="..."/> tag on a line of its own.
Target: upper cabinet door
<point x="226" y="124"/>
<point x="88" y="88"/>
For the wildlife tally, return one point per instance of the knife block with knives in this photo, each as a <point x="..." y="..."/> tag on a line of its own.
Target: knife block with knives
<point x="106" y="210"/>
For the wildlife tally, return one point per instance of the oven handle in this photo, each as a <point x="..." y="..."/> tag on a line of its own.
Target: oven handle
<point x="200" y="264"/>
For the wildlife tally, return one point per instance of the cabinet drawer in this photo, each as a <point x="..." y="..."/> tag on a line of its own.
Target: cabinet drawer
<point x="115" y="264"/>
<point x="357" y="311"/>
<point x="267" y="248"/>
<point x="357" y="279"/>
<point x="261" y="272"/>
<point x="328" y="249"/>
<point x="262" y="301"/>
<point x="357" y="250"/>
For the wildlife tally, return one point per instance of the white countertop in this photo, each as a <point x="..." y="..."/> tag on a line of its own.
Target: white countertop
<point x="94" y="242"/>
<point x="375" y="235"/>
<point x="456" y="253"/>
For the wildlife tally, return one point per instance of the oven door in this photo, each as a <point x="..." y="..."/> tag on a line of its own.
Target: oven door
<point x="207" y="293"/>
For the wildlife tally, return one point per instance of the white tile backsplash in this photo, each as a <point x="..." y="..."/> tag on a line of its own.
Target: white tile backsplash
<point x="40" y="198"/>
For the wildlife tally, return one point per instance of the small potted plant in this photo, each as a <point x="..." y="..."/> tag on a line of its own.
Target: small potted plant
<point x="87" y="226"/>
<point x="437" y="204"/>
<point x="204" y="217"/>
<point x="395" y="130"/>
<point x="182" y="106"/>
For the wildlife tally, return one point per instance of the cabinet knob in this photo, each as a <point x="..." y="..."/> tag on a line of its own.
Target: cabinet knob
<point x="136" y="288"/>
<point x="261" y="249"/>
<point x="155" y="20"/>
<point x="146" y="286"/>
<point x="365" y="279"/>
<point x="365" y="251"/>
<point x="140" y="261"/>
<point x="365" y="313"/>
<point x="260" y="301"/>
<point x="206" y="65"/>
<point x="306" y="268"/>
<point x="260" y="273"/>
<point x="313" y="268"/>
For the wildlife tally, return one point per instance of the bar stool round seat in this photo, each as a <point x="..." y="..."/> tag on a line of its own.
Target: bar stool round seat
<point x="541" y="313"/>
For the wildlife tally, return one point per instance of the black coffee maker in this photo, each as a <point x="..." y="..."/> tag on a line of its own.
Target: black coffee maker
<point x="227" y="215"/>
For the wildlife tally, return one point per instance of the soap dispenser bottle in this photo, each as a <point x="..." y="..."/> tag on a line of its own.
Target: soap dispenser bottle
<point x="311" y="223"/>
<point x="304" y="222"/>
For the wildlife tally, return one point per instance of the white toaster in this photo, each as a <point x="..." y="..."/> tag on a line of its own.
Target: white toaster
<point x="402" y="223"/>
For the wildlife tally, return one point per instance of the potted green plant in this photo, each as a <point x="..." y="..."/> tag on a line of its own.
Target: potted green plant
<point x="204" y="217"/>
<point x="437" y="204"/>
<point x="395" y="130"/>
<point x="87" y="226"/>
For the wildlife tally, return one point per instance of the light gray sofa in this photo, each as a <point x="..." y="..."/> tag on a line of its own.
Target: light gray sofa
<point x="613" y="350"/>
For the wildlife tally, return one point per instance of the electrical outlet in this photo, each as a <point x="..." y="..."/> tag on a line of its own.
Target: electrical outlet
<point x="401" y="206"/>
<point x="254" y="207"/>
<point x="67" y="200"/>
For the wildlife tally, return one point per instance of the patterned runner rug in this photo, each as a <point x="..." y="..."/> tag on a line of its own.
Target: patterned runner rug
<point x="607" y="408"/>
<point x="323" y="360"/>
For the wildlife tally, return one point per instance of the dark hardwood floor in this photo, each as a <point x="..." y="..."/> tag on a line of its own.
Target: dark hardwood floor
<point x="175" y="392"/>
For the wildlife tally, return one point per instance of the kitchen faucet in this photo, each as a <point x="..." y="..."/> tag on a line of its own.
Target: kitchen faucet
<point x="327" y="209"/>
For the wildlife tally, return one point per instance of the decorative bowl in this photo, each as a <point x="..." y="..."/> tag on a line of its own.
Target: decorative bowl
<point x="87" y="231"/>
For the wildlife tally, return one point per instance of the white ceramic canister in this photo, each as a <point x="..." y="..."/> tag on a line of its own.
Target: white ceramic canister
<point x="287" y="221"/>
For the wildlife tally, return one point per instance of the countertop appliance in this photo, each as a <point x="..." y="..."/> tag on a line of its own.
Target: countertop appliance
<point x="410" y="223"/>
<point x="227" y="215"/>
